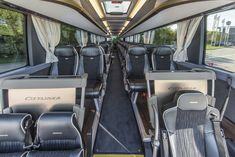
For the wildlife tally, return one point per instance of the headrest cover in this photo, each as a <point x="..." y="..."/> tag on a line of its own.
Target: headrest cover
<point x="137" y="51"/>
<point x="163" y="51"/>
<point x="90" y="51"/>
<point x="58" y="131"/>
<point x="65" y="51"/>
<point x="192" y="101"/>
<point x="13" y="132"/>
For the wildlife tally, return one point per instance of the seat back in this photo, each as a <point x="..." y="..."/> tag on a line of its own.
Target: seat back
<point x="67" y="61"/>
<point x="162" y="58"/>
<point x="189" y="127"/>
<point x="137" y="62"/>
<point x="91" y="62"/>
<point x="14" y="133"/>
<point x="58" y="131"/>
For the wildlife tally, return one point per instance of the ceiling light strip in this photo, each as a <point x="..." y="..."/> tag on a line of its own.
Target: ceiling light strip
<point x="95" y="4"/>
<point x="137" y="7"/>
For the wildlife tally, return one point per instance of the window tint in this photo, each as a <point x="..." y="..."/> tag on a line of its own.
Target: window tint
<point x="12" y="40"/>
<point x="220" y="44"/>
<point x="68" y="35"/>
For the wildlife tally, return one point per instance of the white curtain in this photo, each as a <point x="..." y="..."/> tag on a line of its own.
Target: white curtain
<point x="78" y="37"/>
<point x="138" y="38"/>
<point x="147" y="36"/>
<point x="84" y="36"/>
<point x="185" y="33"/>
<point x="48" y="33"/>
<point x="152" y="37"/>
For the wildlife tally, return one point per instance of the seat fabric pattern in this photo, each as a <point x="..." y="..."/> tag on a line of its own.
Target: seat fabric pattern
<point x="71" y="153"/>
<point x="58" y="131"/>
<point x="189" y="133"/>
<point x="14" y="134"/>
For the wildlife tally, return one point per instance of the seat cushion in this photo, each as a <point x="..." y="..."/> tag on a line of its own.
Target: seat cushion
<point x="137" y="85"/>
<point x="93" y="89"/>
<point x="19" y="154"/>
<point x="69" y="153"/>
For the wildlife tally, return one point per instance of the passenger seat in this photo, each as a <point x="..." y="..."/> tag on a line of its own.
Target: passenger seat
<point x="137" y="65"/>
<point x="162" y="58"/>
<point x="92" y="63"/>
<point x="191" y="127"/>
<point x="58" y="135"/>
<point x="15" y="136"/>
<point x="68" y="60"/>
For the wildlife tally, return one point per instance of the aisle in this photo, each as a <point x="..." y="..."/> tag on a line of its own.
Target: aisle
<point x="118" y="118"/>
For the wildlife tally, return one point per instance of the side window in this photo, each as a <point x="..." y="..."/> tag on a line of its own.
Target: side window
<point x="220" y="44"/>
<point x="68" y="35"/>
<point x="165" y="35"/>
<point x="13" y="52"/>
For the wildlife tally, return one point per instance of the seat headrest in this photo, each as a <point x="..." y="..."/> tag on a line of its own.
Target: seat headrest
<point x="13" y="128"/>
<point x="58" y="130"/>
<point x="90" y="51"/>
<point x="192" y="101"/>
<point x="163" y="51"/>
<point x="137" y="51"/>
<point x="65" y="51"/>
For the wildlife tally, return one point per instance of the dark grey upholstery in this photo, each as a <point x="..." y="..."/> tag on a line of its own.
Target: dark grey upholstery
<point x="92" y="63"/>
<point x="67" y="61"/>
<point x="162" y="58"/>
<point x="190" y="128"/>
<point x="136" y="65"/>
<point x="57" y="135"/>
<point x="14" y="134"/>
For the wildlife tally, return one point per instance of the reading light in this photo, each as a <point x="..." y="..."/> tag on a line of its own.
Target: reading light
<point x="137" y="7"/>
<point x="97" y="8"/>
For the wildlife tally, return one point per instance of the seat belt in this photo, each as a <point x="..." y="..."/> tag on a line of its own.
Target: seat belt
<point x="165" y="144"/>
<point x="229" y="81"/>
<point x="219" y="138"/>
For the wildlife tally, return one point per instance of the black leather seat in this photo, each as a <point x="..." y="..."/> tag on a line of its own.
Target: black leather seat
<point x="92" y="63"/>
<point x="14" y="134"/>
<point x="58" y="135"/>
<point x="67" y="61"/>
<point x="162" y="58"/>
<point x="136" y="65"/>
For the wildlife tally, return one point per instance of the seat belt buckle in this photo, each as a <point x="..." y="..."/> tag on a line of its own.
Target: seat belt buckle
<point x="156" y="143"/>
<point x="222" y="133"/>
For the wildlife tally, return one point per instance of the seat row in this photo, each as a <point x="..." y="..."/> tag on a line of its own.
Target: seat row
<point x="137" y="60"/>
<point x="92" y="59"/>
<point x="56" y="134"/>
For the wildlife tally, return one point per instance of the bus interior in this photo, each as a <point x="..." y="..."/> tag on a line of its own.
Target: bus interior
<point x="117" y="78"/>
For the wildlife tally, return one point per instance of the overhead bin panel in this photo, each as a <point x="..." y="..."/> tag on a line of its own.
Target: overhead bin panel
<point x="59" y="12"/>
<point x="176" y="13"/>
